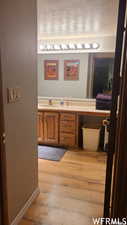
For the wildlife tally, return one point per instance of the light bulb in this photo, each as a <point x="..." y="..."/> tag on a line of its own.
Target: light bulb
<point x="87" y="45"/>
<point x="79" y="46"/>
<point x="71" y="46"/>
<point x="95" y="45"/>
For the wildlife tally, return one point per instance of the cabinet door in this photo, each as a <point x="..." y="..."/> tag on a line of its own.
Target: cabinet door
<point x="40" y="126"/>
<point x="51" y="127"/>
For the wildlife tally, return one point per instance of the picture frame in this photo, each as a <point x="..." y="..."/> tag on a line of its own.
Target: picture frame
<point x="51" y="69"/>
<point x="71" y="69"/>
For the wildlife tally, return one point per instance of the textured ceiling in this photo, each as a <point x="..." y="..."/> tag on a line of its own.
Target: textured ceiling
<point x="60" y="18"/>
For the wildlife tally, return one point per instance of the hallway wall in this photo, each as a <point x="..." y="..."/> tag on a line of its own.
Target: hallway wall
<point x="18" y="58"/>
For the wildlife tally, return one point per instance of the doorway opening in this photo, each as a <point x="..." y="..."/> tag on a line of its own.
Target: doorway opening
<point x="68" y="117"/>
<point x="65" y="108"/>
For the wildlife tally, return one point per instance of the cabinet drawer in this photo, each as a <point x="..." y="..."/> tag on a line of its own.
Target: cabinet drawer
<point x="67" y="139"/>
<point x="67" y="126"/>
<point x="67" y="116"/>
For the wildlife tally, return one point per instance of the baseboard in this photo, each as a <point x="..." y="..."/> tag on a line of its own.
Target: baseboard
<point x="25" y="208"/>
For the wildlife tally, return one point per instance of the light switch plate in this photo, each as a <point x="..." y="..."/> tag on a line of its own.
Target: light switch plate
<point x="17" y="93"/>
<point x="13" y="94"/>
<point x="10" y="96"/>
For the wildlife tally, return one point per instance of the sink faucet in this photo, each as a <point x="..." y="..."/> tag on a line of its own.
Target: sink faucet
<point x="50" y="101"/>
<point x="62" y="101"/>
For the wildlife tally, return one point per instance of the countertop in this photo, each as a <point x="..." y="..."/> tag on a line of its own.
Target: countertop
<point x="73" y="108"/>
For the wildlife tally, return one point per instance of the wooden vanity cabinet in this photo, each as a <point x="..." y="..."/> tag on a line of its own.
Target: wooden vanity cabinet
<point x="40" y="126"/>
<point x="63" y="128"/>
<point x="68" y="129"/>
<point x="51" y="120"/>
<point x="57" y="128"/>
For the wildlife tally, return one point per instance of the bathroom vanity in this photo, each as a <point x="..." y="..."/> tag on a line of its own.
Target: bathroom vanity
<point x="61" y="125"/>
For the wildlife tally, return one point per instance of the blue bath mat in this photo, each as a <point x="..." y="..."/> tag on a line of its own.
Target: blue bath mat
<point x="50" y="153"/>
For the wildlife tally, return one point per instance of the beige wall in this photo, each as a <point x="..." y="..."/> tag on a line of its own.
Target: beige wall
<point x="18" y="57"/>
<point x="61" y="87"/>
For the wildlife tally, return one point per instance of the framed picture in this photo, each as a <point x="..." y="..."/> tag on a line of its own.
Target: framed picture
<point x="71" y="69"/>
<point x="51" y="69"/>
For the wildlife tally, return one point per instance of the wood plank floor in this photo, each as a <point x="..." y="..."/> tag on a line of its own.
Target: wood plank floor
<point x="72" y="190"/>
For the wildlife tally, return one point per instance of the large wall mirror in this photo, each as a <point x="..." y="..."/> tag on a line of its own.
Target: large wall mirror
<point x="95" y="75"/>
<point x="100" y="74"/>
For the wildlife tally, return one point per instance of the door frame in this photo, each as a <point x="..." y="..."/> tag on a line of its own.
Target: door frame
<point x="113" y="133"/>
<point x="3" y="179"/>
<point x="119" y="198"/>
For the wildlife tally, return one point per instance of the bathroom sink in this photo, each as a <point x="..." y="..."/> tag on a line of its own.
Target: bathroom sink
<point x="46" y="105"/>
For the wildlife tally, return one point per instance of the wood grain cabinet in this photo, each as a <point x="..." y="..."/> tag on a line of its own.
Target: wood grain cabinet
<point x="57" y="128"/>
<point x="51" y="127"/>
<point x="68" y="129"/>
<point x="40" y="126"/>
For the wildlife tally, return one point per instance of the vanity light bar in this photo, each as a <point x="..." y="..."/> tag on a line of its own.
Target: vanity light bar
<point x="70" y="46"/>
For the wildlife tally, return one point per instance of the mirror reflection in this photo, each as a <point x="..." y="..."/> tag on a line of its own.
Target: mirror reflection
<point x="77" y="75"/>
